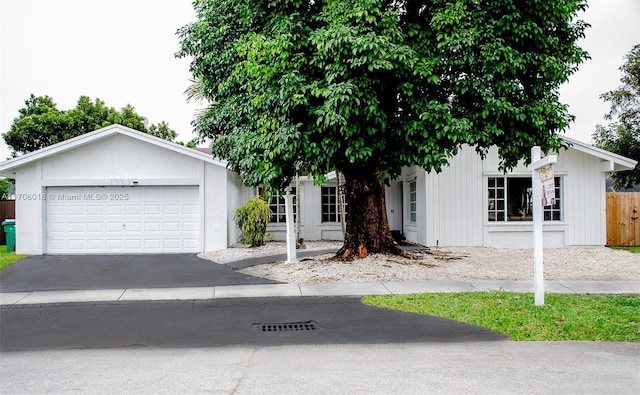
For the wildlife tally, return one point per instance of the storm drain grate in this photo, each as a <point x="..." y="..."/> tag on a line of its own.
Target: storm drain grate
<point x="286" y="326"/>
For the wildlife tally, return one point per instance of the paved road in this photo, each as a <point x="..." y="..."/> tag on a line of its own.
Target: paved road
<point x="222" y="323"/>
<point x="211" y="344"/>
<point x="391" y="368"/>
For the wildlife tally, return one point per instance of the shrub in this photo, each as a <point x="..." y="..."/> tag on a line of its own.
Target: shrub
<point x="252" y="220"/>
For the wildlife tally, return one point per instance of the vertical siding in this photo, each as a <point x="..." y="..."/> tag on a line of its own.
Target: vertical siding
<point x="584" y="202"/>
<point x="454" y="201"/>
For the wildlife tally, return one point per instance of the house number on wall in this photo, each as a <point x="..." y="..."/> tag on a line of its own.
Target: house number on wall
<point x="122" y="181"/>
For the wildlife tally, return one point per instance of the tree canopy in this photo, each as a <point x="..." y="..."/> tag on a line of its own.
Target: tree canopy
<point x="623" y="136"/>
<point x="367" y="87"/>
<point x="41" y="123"/>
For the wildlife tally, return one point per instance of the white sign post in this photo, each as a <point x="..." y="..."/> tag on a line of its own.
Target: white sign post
<point x="291" y="234"/>
<point x="537" y="163"/>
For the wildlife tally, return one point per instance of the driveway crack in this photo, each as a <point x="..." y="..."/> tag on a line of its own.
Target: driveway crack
<point x="243" y="371"/>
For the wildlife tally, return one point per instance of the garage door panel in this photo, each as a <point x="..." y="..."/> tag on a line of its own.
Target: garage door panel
<point x="171" y="226"/>
<point x="133" y="227"/>
<point x="133" y="244"/>
<point x="152" y="244"/>
<point x="75" y="210"/>
<point x="152" y="209"/>
<point x="95" y="227"/>
<point x="115" y="210"/>
<point x="95" y="244"/>
<point x="172" y="244"/>
<point x="133" y="209"/>
<point x="190" y="209"/>
<point x="190" y="243"/>
<point x="151" y="220"/>
<point x="95" y="210"/>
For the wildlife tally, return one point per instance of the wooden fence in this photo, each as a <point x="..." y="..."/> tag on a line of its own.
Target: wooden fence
<point x="623" y="222"/>
<point x="7" y="210"/>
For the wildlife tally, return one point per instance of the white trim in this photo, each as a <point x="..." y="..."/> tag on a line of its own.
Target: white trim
<point x="41" y="233"/>
<point x="7" y="167"/>
<point x="108" y="182"/>
<point x="202" y="198"/>
<point x="607" y="166"/>
<point x="621" y="163"/>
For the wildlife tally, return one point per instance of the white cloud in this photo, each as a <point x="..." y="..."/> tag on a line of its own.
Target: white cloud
<point x="122" y="51"/>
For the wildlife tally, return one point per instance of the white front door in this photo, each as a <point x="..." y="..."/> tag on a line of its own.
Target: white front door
<point x="142" y="219"/>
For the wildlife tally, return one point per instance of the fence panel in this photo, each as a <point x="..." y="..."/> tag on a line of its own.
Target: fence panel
<point x="623" y="225"/>
<point x="7" y="210"/>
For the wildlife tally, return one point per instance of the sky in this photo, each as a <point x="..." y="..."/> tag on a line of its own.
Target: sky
<point x="122" y="51"/>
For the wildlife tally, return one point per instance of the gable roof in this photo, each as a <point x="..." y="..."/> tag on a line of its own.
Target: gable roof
<point x="615" y="162"/>
<point x="6" y="167"/>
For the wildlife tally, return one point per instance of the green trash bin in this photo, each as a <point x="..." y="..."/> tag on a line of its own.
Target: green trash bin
<point x="9" y="226"/>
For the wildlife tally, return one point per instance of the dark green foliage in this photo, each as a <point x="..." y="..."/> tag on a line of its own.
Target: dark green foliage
<point x="623" y="136"/>
<point x="5" y="185"/>
<point x="41" y="124"/>
<point x="365" y="84"/>
<point x="252" y="220"/>
<point x="367" y="87"/>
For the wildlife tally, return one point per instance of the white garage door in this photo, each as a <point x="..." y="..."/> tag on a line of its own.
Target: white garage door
<point x="122" y="220"/>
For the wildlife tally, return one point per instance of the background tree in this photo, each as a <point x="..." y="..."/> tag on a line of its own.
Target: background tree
<point x="41" y="123"/>
<point x="623" y="136"/>
<point x="6" y="185"/>
<point x="366" y="87"/>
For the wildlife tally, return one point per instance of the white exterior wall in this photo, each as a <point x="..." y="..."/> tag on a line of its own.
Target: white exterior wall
<point x="30" y="210"/>
<point x="456" y="203"/>
<point x="310" y="209"/>
<point x="517" y="234"/>
<point x="584" y="198"/>
<point x="108" y="161"/>
<point x="237" y="195"/>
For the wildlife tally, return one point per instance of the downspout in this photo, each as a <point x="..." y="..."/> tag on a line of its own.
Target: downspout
<point x="340" y="205"/>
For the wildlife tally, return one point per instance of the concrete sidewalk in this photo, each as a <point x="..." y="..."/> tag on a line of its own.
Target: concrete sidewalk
<point x="323" y="289"/>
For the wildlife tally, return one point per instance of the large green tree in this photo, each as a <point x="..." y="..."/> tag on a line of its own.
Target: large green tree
<point x="366" y="87"/>
<point x="623" y="136"/>
<point x="40" y="123"/>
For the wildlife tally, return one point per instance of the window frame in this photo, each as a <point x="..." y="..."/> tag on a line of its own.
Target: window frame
<point x="280" y="212"/>
<point x="497" y="204"/>
<point x="329" y="210"/>
<point x="413" y="201"/>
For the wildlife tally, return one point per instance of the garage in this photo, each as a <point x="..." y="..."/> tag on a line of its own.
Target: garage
<point x="120" y="191"/>
<point x="122" y="220"/>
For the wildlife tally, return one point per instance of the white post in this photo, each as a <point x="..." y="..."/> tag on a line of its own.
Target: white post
<point x="291" y="234"/>
<point x="538" y="265"/>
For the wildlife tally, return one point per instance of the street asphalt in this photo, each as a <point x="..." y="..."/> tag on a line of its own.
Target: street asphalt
<point x="178" y="324"/>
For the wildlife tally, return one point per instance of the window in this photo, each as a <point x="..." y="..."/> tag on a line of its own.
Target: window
<point x="277" y="206"/>
<point x="330" y="212"/>
<point x="413" y="202"/>
<point x="510" y="199"/>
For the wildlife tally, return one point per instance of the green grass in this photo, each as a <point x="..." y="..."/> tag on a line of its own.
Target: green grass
<point x="563" y="317"/>
<point x="8" y="258"/>
<point x="630" y="249"/>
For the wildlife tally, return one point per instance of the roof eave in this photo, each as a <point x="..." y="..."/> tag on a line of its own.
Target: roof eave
<point x="7" y="167"/>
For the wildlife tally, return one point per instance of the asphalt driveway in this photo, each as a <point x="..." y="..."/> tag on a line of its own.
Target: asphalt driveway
<point x="74" y="272"/>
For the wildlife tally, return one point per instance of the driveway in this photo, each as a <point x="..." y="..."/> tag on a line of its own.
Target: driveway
<point x="73" y="272"/>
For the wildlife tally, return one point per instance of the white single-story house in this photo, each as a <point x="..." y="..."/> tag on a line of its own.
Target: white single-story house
<point x="473" y="203"/>
<point x="118" y="190"/>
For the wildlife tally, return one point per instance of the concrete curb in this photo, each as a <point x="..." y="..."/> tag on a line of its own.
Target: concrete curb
<point x="321" y="289"/>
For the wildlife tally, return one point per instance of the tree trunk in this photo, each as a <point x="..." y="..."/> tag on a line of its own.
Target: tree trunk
<point x="367" y="224"/>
